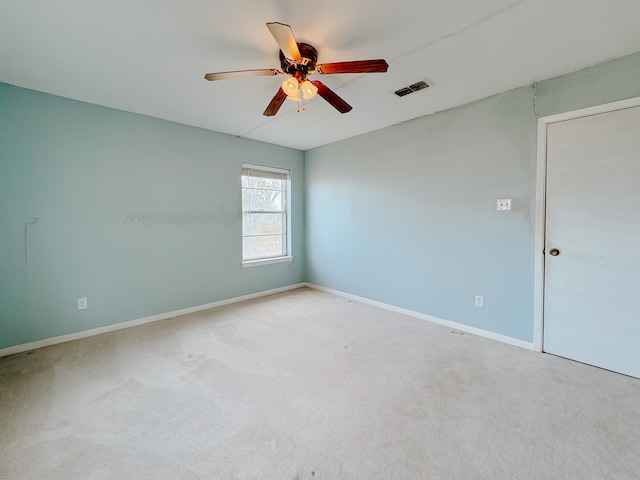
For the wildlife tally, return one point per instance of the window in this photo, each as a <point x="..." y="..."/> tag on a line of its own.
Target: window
<point x="264" y="215"/>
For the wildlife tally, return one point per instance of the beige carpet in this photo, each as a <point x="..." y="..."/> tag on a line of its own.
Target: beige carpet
<point x="306" y="385"/>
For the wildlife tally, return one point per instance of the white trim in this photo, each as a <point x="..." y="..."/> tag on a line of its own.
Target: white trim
<point x="264" y="167"/>
<point x="267" y="261"/>
<point x="47" y="342"/>
<point x="447" y="323"/>
<point x="595" y="110"/>
<point x="539" y="233"/>
<point x="540" y="203"/>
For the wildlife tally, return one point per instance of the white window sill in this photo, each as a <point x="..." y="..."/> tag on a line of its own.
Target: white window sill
<point x="267" y="261"/>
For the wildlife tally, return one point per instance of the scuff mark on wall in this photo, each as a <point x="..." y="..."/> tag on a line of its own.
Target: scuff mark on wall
<point x="177" y="219"/>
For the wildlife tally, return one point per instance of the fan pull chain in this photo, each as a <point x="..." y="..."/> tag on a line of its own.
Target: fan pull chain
<point x="302" y="106"/>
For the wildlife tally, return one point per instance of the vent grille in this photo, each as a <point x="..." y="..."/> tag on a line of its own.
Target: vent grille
<point x="421" y="85"/>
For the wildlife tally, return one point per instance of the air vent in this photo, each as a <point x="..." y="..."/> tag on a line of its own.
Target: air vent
<point x="421" y="85"/>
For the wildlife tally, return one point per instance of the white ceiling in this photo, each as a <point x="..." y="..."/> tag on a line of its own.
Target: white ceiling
<point x="150" y="56"/>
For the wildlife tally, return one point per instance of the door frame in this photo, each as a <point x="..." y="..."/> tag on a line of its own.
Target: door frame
<point x="540" y="203"/>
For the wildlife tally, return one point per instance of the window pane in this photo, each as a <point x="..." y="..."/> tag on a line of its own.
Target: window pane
<point x="267" y="183"/>
<point x="248" y="171"/>
<point x="271" y="200"/>
<point x="261" y="247"/>
<point x="263" y="224"/>
<point x="246" y="199"/>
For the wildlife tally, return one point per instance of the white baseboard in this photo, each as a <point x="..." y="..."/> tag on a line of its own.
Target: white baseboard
<point x="25" y="347"/>
<point x="458" y="326"/>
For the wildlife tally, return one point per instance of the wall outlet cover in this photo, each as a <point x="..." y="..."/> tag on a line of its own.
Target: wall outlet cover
<point x="504" y="204"/>
<point x="82" y="303"/>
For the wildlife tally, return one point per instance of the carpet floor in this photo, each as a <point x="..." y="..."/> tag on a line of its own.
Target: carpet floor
<point x="308" y="385"/>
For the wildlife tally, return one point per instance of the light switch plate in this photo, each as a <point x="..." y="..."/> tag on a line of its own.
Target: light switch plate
<point x="504" y="204"/>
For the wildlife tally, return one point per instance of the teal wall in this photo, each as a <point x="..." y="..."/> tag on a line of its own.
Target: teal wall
<point x="142" y="216"/>
<point x="407" y="215"/>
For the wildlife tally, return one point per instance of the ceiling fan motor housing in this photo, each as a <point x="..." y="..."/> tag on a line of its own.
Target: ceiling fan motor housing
<point x="305" y="65"/>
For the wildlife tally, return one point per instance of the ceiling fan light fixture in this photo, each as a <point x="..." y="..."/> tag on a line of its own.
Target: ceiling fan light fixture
<point x="308" y="89"/>
<point x="291" y="86"/>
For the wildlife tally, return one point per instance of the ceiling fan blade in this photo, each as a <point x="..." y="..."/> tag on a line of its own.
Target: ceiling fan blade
<point x="285" y="40"/>
<point x="357" y="66"/>
<point x="276" y="103"/>
<point x="332" y="97"/>
<point x="267" y="72"/>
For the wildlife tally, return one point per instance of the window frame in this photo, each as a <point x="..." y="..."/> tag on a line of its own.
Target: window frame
<point x="287" y="257"/>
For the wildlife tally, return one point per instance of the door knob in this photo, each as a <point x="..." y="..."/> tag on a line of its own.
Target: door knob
<point x="554" y="252"/>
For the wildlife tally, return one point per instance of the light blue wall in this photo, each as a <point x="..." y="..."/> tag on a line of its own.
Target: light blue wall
<point x="597" y="85"/>
<point x="140" y="215"/>
<point x="407" y="215"/>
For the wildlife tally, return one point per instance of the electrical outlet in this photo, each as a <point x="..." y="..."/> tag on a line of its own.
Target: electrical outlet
<point x="82" y="303"/>
<point x="479" y="301"/>
<point x="504" y="204"/>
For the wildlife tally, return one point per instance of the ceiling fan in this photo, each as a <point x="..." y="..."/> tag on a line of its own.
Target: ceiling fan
<point x="298" y="60"/>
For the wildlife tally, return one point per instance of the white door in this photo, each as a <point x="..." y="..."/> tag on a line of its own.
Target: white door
<point x="592" y="285"/>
